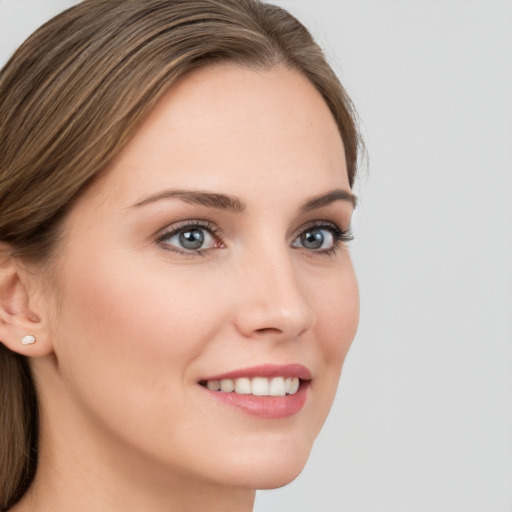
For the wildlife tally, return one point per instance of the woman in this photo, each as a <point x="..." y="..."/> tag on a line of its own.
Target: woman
<point x="176" y="293"/>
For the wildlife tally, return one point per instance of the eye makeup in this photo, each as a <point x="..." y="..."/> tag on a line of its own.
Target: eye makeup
<point x="195" y="237"/>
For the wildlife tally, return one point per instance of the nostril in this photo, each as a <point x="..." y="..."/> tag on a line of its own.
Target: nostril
<point x="268" y="330"/>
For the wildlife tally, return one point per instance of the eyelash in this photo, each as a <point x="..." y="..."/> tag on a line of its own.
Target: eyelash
<point x="340" y="236"/>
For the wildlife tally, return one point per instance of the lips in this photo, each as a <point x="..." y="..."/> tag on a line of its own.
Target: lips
<point x="267" y="391"/>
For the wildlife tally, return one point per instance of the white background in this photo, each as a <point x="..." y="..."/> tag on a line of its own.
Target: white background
<point x="423" y="418"/>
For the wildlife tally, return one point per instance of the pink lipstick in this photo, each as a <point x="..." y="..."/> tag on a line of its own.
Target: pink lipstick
<point x="267" y="391"/>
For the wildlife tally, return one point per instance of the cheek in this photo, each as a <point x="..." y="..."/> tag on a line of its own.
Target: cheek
<point x="129" y="335"/>
<point x="336" y="304"/>
<point x="140" y="307"/>
<point x="337" y="311"/>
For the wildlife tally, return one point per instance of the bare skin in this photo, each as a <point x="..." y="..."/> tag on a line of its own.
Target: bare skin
<point x="135" y="320"/>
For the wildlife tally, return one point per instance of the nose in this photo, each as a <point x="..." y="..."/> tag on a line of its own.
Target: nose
<point x="272" y="301"/>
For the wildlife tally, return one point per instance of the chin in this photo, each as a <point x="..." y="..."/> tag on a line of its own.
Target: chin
<point x="271" y="467"/>
<point x="279" y="479"/>
<point x="272" y="478"/>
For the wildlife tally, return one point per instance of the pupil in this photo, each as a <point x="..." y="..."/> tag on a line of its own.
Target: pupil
<point x="313" y="239"/>
<point x="192" y="239"/>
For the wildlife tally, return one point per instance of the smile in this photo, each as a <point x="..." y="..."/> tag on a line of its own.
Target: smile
<point x="268" y="391"/>
<point x="257" y="386"/>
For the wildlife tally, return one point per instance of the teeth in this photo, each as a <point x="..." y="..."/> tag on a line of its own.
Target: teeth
<point x="227" y="385"/>
<point x="243" y="386"/>
<point x="214" y="385"/>
<point x="294" y="386"/>
<point x="258" y="386"/>
<point x="278" y="387"/>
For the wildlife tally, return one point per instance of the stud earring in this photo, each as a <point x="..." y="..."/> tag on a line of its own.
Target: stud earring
<point x="28" y="340"/>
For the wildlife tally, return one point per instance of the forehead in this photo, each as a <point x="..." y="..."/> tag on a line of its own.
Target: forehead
<point x="233" y="128"/>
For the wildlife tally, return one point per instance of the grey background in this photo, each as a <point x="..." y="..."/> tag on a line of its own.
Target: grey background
<point x="423" y="418"/>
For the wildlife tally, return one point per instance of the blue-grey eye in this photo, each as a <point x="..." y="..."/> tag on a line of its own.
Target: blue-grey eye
<point x="316" y="239"/>
<point x="313" y="239"/>
<point x="190" y="238"/>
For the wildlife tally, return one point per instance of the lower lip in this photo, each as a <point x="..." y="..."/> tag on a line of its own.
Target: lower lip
<point x="267" y="407"/>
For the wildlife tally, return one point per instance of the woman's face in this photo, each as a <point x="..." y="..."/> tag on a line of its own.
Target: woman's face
<point x="210" y="253"/>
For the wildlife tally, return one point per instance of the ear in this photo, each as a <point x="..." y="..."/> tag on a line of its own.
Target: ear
<point x="19" y="314"/>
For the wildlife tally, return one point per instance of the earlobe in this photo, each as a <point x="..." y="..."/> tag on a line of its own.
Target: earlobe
<point x="22" y="329"/>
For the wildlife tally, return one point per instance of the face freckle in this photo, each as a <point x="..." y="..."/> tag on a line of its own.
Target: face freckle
<point x="230" y="154"/>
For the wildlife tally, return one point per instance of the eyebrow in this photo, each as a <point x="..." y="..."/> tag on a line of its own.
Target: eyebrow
<point x="236" y="205"/>
<point x="326" y="199"/>
<point x="209" y="199"/>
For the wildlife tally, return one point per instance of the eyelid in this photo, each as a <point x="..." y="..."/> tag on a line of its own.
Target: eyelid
<point x="325" y="224"/>
<point x="176" y="227"/>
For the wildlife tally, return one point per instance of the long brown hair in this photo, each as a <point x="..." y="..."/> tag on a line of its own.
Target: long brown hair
<point x="70" y="99"/>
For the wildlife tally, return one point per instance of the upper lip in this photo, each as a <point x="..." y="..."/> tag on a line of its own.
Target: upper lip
<point x="266" y="370"/>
